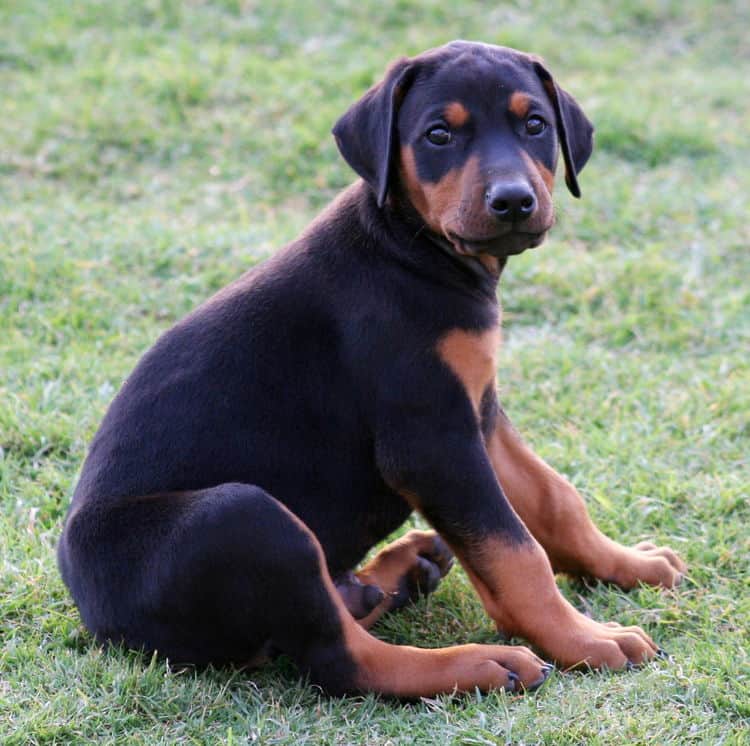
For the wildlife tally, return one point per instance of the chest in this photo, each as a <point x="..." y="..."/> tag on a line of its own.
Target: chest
<point x="472" y="356"/>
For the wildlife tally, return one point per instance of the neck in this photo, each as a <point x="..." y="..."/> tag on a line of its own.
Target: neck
<point x="400" y="230"/>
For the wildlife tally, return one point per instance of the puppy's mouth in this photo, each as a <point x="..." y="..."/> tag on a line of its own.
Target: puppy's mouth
<point x="506" y="244"/>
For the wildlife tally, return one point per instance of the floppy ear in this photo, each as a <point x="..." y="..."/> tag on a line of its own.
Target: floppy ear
<point x="575" y="132"/>
<point x="365" y="135"/>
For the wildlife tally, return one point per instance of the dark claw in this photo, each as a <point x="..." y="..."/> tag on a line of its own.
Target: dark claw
<point x="547" y="669"/>
<point x="372" y="595"/>
<point x="426" y="577"/>
<point x="442" y="556"/>
<point x="358" y="598"/>
<point x="423" y="577"/>
<point x="661" y="653"/>
<point x="512" y="682"/>
<point x="421" y="580"/>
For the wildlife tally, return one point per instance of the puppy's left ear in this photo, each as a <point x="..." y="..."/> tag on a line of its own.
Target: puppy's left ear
<point x="574" y="130"/>
<point x="365" y="135"/>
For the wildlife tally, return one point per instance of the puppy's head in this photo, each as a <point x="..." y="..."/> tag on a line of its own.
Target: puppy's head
<point x="469" y="135"/>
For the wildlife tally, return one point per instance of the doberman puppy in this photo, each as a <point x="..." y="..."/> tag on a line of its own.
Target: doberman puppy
<point x="270" y="439"/>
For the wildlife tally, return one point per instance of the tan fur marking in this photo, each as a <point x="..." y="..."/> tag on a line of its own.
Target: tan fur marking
<point x="456" y="114"/>
<point x="556" y="516"/>
<point x="473" y="358"/>
<point x="406" y="671"/>
<point x="389" y="567"/>
<point x="438" y="203"/>
<point x="530" y="486"/>
<point x="519" y="104"/>
<point x="491" y="263"/>
<point x="507" y="578"/>
<point x="413" y="186"/>
<point x="539" y="174"/>
<point x="547" y="176"/>
<point x="517" y="588"/>
<point x="443" y="198"/>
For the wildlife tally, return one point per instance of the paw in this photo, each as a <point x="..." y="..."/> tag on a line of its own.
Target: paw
<point x="408" y="568"/>
<point x="513" y="668"/>
<point x="616" y="647"/>
<point x="609" y="645"/>
<point x="421" y="672"/>
<point x="431" y="561"/>
<point x="647" y="563"/>
<point x="359" y="598"/>
<point x="530" y="605"/>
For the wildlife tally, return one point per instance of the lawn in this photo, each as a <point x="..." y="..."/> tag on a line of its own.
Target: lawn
<point x="152" y="150"/>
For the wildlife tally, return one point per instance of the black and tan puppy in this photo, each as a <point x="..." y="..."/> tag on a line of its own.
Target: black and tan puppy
<point x="270" y="439"/>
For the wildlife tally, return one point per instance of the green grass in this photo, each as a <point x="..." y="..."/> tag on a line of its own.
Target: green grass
<point x="150" y="151"/>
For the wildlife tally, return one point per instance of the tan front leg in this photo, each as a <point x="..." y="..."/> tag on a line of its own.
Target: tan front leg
<point x="517" y="588"/>
<point x="556" y="515"/>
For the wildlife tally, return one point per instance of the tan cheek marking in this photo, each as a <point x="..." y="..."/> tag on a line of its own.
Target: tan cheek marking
<point x="410" y="180"/>
<point x="456" y="114"/>
<point x="519" y="104"/>
<point x="538" y="171"/>
<point x="443" y="198"/>
<point x="473" y="358"/>
<point x="547" y="176"/>
<point x="434" y="202"/>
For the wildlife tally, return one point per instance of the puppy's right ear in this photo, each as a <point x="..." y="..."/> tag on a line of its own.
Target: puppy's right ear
<point x="366" y="134"/>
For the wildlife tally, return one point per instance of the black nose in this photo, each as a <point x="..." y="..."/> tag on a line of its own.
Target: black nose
<point x="511" y="201"/>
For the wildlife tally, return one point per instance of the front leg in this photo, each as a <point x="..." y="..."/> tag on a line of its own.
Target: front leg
<point x="430" y="448"/>
<point x="556" y="515"/>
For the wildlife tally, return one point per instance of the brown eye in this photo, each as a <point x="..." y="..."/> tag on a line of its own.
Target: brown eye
<point x="535" y="125"/>
<point x="439" y="136"/>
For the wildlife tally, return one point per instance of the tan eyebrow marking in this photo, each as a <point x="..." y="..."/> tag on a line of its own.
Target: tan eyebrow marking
<point x="519" y="104"/>
<point x="456" y="114"/>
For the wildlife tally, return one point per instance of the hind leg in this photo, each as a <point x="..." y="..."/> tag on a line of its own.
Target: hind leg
<point x="217" y="575"/>
<point x="211" y="576"/>
<point x="344" y="657"/>
<point x="405" y="570"/>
